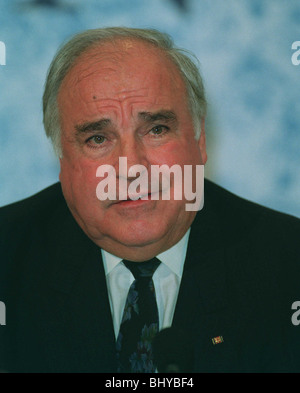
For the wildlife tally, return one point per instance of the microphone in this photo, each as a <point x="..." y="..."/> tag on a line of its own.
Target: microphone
<point x="173" y="351"/>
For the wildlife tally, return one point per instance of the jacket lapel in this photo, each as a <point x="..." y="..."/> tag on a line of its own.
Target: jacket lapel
<point x="204" y="309"/>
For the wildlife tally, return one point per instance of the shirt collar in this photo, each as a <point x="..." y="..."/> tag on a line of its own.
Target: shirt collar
<point x="173" y="258"/>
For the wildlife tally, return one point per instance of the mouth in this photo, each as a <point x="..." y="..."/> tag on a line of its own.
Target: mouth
<point x="137" y="197"/>
<point x="137" y="200"/>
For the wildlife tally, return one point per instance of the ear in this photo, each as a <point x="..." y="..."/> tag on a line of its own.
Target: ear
<point x="202" y="143"/>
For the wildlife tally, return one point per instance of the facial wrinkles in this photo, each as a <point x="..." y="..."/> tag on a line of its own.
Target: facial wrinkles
<point x="106" y="64"/>
<point x="97" y="60"/>
<point x="89" y="100"/>
<point x="124" y="60"/>
<point x="110" y="87"/>
<point x="96" y="92"/>
<point x="121" y="107"/>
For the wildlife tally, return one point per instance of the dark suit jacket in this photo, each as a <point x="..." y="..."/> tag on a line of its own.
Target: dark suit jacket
<point x="240" y="279"/>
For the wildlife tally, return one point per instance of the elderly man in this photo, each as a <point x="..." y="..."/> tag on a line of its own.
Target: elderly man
<point x="90" y="284"/>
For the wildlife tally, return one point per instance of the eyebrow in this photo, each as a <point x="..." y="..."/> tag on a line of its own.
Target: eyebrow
<point x="99" y="125"/>
<point x="92" y="126"/>
<point x="161" y="115"/>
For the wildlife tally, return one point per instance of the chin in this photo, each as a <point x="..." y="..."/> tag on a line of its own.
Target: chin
<point x="138" y="238"/>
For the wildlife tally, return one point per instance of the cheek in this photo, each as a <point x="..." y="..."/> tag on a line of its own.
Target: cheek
<point x="79" y="178"/>
<point x="181" y="153"/>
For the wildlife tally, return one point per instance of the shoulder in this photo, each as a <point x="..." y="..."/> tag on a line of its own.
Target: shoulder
<point x="236" y="212"/>
<point x="260" y="245"/>
<point x="33" y="205"/>
<point x="32" y="210"/>
<point x="23" y="224"/>
<point x="19" y="222"/>
<point x="258" y="241"/>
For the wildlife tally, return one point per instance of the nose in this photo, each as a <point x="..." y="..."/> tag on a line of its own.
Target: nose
<point x="135" y="153"/>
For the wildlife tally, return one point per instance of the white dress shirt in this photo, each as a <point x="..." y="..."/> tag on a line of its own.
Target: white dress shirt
<point x="166" y="279"/>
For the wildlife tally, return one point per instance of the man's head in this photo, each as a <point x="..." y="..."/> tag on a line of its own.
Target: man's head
<point x="128" y="94"/>
<point x="80" y="43"/>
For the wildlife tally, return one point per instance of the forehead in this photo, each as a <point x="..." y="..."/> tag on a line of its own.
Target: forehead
<point x="122" y="68"/>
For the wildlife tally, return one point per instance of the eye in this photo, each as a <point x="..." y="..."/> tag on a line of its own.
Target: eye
<point x="159" y="130"/>
<point x="96" y="139"/>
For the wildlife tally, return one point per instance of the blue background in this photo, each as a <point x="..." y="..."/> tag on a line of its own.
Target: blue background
<point x="244" y="47"/>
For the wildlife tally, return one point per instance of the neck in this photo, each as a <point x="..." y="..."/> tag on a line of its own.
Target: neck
<point x="139" y="253"/>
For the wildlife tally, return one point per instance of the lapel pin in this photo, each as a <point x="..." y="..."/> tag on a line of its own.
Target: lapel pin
<point x="217" y="340"/>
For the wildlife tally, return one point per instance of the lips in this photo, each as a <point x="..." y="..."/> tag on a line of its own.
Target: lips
<point x="141" y="197"/>
<point x="136" y="197"/>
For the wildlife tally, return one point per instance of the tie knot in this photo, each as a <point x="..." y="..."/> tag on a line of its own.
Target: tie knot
<point x="142" y="269"/>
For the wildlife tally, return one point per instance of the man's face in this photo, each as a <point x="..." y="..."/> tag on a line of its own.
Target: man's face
<point x="125" y="100"/>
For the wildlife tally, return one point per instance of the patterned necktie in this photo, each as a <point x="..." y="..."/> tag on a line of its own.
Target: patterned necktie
<point x="139" y="324"/>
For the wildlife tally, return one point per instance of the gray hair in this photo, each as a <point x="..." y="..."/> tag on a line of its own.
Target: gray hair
<point x="69" y="52"/>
